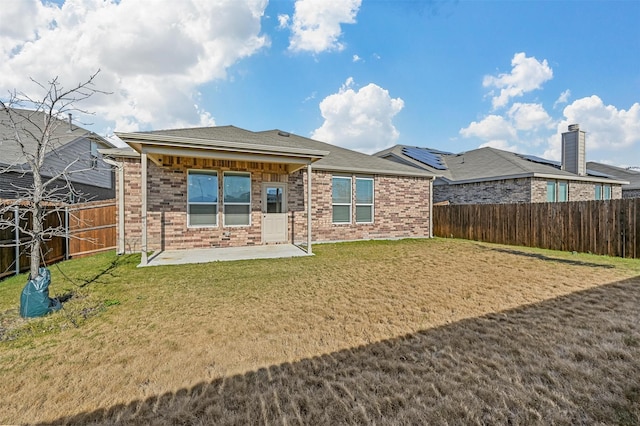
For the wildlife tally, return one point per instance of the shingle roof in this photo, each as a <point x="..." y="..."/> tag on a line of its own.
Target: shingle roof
<point x="632" y="176"/>
<point x="484" y="164"/>
<point x="63" y="134"/>
<point x="338" y="159"/>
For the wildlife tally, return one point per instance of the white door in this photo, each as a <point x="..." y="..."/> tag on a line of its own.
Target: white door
<point x="274" y="212"/>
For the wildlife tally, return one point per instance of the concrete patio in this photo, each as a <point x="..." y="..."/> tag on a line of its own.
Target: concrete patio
<point x="181" y="257"/>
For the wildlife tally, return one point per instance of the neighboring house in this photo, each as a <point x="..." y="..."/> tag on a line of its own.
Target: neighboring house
<point x="225" y="186"/>
<point x="493" y="176"/>
<point x="71" y="147"/>
<point x="631" y="190"/>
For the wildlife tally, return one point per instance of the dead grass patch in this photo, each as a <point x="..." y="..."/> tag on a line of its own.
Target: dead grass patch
<point x="402" y="331"/>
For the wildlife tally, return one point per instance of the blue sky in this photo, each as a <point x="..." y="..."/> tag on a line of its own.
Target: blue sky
<point x="363" y="74"/>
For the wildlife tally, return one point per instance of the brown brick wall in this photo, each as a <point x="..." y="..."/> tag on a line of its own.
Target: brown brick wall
<point x="583" y="191"/>
<point x="401" y="207"/>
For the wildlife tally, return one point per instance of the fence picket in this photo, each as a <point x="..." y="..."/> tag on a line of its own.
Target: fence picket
<point x="91" y="228"/>
<point x="609" y="227"/>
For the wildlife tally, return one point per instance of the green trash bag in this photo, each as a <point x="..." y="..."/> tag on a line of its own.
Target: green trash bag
<point x="35" y="300"/>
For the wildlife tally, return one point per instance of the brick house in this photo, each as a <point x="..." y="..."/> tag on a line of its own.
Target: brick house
<point x="630" y="190"/>
<point x="225" y="186"/>
<point x="493" y="176"/>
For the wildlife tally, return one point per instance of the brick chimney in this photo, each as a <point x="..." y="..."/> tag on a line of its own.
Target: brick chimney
<point x="573" y="151"/>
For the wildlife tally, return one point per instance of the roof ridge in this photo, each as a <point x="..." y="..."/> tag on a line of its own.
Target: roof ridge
<point x="510" y="157"/>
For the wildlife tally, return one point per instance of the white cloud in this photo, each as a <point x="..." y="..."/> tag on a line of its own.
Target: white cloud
<point x="491" y="128"/>
<point x="356" y="58"/>
<point x="608" y="128"/>
<point x="152" y="62"/>
<point x="359" y="120"/>
<point x="527" y="74"/>
<point x="562" y="99"/>
<point x="283" y="21"/>
<point x="316" y="24"/>
<point x="26" y="18"/>
<point x="529" y="116"/>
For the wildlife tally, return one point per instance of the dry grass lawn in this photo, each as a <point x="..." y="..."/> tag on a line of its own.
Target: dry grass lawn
<point x="401" y="332"/>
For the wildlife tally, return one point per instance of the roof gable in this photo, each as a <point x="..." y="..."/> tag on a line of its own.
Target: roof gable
<point x="328" y="157"/>
<point x="27" y="122"/>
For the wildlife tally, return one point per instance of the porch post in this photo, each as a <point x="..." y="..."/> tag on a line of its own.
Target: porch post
<point x="431" y="208"/>
<point x="309" y="250"/>
<point x="16" y="217"/>
<point x="121" y="248"/>
<point x="143" y="213"/>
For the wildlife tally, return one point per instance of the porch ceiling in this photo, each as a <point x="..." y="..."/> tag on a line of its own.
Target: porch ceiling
<point x="156" y="146"/>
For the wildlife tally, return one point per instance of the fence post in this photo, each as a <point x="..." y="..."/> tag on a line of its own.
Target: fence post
<point x="16" y="233"/>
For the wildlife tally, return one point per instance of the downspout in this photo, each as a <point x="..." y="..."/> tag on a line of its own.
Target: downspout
<point x="143" y="213"/>
<point x="309" y="250"/>
<point x="120" y="167"/>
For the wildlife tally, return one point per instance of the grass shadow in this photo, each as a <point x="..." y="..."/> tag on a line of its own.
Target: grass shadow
<point x="541" y="256"/>
<point x="570" y="360"/>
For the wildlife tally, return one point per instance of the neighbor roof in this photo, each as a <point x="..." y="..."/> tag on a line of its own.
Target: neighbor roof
<point x="486" y="164"/>
<point x="63" y="134"/>
<point x="633" y="176"/>
<point x="326" y="156"/>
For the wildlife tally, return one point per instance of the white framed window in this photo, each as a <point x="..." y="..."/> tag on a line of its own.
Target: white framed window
<point x="551" y="191"/>
<point x="237" y="198"/>
<point x="202" y="198"/>
<point x="563" y="191"/>
<point x="341" y="199"/>
<point x="603" y="192"/>
<point x="364" y="200"/>
<point x="557" y="191"/>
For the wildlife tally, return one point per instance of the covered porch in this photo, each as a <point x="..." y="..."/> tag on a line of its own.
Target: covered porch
<point x="166" y="166"/>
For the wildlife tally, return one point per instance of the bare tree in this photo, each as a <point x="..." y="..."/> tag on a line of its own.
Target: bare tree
<point x="41" y="190"/>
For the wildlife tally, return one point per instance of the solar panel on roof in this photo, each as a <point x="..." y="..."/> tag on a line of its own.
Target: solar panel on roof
<point x="540" y="160"/>
<point x="431" y="158"/>
<point x="598" y="174"/>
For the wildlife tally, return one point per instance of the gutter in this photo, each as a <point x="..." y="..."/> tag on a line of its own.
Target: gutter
<point x="576" y="178"/>
<point x="137" y="139"/>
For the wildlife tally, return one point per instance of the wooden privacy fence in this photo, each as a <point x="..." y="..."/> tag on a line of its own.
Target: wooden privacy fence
<point x="89" y="228"/>
<point x="609" y="227"/>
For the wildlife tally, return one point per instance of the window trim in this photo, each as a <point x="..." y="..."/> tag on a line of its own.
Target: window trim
<point x="557" y="184"/>
<point x="553" y="192"/>
<point x="558" y="187"/>
<point x="349" y="204"/>
<point x="217" y="203"/>
<point x="224" y="203"/>
<point x="371" y="205"/>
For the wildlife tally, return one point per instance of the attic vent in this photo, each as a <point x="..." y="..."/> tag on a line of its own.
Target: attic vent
<point x="574" y="127"/>
<point x="283" y="134"/>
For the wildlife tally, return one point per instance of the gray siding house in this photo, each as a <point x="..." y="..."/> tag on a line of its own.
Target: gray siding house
<point x="72" y="148"/>
<point x="494" y="176"/>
